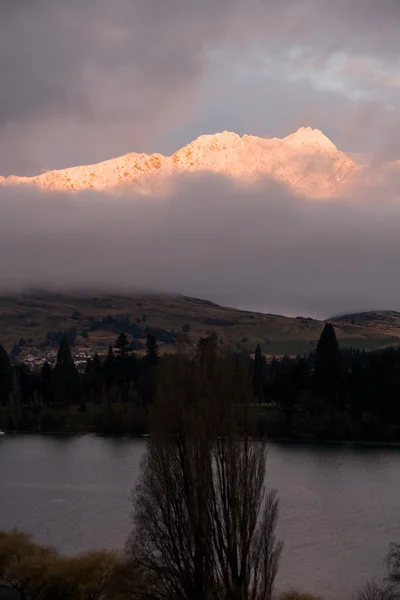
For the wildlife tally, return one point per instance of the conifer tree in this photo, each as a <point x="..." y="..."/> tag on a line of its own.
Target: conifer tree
<point x="5" y="376"/>
<point x="96" y="362"/>
<point x="45" y="376"/>
<point x="110" y="355"/>
<point x="109" y="368"/>
<point x="258" y="373"/>
<point x="122" y="345"/>
<point x="65" y="380"/>
<point x="206" y="348"/>
<point x="152" y="353"/>
<point x="329" y="369"/>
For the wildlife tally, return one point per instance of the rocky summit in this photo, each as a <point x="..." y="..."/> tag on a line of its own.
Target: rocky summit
<point x="307" y="161"/>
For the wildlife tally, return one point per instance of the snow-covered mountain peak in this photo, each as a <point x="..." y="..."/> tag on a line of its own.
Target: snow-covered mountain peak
<point x="307" y="161"/>
<point x="217" y="139"/>
<point x="307" y="136"/>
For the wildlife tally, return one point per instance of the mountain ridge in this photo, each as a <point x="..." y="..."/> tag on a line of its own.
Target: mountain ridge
<point x="306" y="160"/>
<point x="33" y="323"/>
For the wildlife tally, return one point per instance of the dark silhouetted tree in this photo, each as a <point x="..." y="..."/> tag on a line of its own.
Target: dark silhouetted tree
<point x="258" y="374"/>
<point x="45" y="375"/>
<point x="110" y="355"/>
<point x="65" y="380"/>
<point x="109" y="368"/>
<point x="6" y="376"/>
<point x="329" y="370"/>
<point x="206" y="349"/>
<point x="122" y="345"/>
<point x="15" y="352"/>
<point x="204" y="522"/>
<point x="152" y="353"/>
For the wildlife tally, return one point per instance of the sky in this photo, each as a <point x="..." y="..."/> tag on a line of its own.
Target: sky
<point x="87" y="80"/>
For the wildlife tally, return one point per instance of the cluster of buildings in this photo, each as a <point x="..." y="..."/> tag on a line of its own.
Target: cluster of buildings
<point x="35" y="357"/>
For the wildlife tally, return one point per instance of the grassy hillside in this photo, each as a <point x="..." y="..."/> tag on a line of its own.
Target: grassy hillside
<point x="98" y="319"/>
<point x="386" y="322"/>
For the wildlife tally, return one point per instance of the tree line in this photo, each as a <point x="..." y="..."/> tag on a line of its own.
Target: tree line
<point x="328" y="394"/>
<point x="332" y="393"/>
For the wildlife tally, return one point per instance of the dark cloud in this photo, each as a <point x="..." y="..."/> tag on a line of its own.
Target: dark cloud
<point x="84" y="80"/>
<point x="359" y="26"/>
<point x="256" y="247"/>
<point x="99" y="77"/>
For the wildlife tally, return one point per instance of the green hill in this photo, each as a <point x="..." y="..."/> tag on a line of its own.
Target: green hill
<point x="35" y="323"/>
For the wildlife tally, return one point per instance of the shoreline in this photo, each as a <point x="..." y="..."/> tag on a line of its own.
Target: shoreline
<point x="330" y="442"/>
<point x="274" y="440"/>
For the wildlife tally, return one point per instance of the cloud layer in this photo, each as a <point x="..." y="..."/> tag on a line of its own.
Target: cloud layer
<point x="256" y="247"/>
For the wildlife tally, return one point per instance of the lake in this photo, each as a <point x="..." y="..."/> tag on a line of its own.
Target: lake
<point x="340" y="505"/>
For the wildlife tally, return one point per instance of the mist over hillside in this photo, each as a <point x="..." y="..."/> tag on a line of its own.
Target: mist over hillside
<point x="257" y="245"/>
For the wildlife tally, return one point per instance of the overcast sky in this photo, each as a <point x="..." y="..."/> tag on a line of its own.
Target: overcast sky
<point x="86" y="80"/>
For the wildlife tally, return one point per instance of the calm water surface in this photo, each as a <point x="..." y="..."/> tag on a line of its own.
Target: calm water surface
<point x="339" y="505"/>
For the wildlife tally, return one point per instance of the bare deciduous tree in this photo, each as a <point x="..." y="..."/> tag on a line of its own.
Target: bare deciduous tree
<point x="204" y="523"/>
<point x="389" y="589"/>
<point x="393" y="566"/>
<point x="373" y="591"/>
<point x="244" y="514"/>
<point x="171" y="537"/>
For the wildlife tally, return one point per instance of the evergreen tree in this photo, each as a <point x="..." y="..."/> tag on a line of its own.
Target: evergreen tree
<point x="64" y="357"/>
<point x="65" y="380"/>
<point x="109" y="368"/>
<point x="45" y="375"/>
<point x="358" y="393"/>
<point x="291" y="380"/>
<point x="15" y="352"/>
<point x="301" y="375"/>
<point x="206" y="348"/>
<point x="89" y="366"/>
<point x="152" y="353"/>
<point x="110" y="355"/>
<point x="258" y="374"/>
<point x="122" y="345"/>
<point x="329" y="368"/>
<point x="6" y="376"/>
<point x="92" y="380"/>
